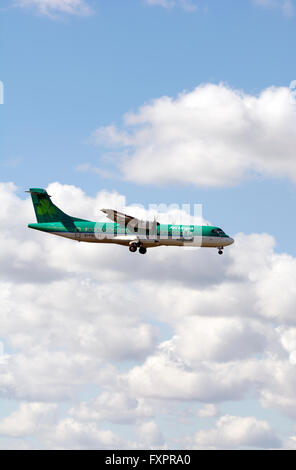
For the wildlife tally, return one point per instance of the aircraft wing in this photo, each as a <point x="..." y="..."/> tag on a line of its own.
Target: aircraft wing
<point x="124" y="219"/>
<point x="119" y="217"/>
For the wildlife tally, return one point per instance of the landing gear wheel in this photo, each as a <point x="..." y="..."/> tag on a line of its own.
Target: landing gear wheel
<point x="220" y="252"/>
<point x="142" y="250"/>
<point x="133" y="248"/>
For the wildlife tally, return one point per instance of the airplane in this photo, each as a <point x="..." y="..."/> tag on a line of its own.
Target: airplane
<point x="124" y="229"/>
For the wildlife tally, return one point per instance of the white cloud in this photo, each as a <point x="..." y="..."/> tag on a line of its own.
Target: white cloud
<point x="52" y="7"/>
<point x="287" y="6"/>
<point x="94" y="332"/>
<point x="29" y="419"/>
<point x="41" y="420"/>
<point x="211" y="136"/>
<point x="219" y="339"/>
<point x="288" y="340"/>
<point x="71" y="434"/>
<point x="166" y="376"/>
<point x="290" y="444"/>
<point x="116" y="407"/>
<point x="208" y="411"/>
<point x="47" y="375"/>
<point x="232" y="432"/>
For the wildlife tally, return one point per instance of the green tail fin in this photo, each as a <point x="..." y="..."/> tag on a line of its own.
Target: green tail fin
<point x="45" y="210"/>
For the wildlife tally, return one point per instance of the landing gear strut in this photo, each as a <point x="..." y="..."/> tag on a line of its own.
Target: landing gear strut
<point x="220" y="251"/>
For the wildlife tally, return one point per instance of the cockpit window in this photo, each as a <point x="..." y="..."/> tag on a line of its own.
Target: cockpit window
<point x="218" y="231"/>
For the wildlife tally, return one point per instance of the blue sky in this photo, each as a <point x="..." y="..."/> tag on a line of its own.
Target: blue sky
<point x="69" y="75"/>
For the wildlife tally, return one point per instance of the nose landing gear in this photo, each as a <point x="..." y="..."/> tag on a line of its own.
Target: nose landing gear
<point x="220" y="250"/>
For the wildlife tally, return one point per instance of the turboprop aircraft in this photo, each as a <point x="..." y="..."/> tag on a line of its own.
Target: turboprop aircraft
<point x="124" y="229"/>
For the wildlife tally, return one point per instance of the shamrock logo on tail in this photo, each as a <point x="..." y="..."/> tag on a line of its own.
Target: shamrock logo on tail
<point x="45" y="207"/>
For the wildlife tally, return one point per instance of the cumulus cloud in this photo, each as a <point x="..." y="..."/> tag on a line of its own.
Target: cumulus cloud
<point x="219" y="339"/>
<point x="52" y="7"/>
<point x="117" y="407"/>
<point x="42" y="420"/>
<point x="166" y="376"/>
<point x="71" y="434"/>
<point x="232" y="432"/>
<point x="211" y="136"/>
<point x="29" y="419"/>
<point x="80" y="315"/>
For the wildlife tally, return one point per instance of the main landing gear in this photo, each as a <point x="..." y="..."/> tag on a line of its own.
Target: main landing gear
<point x="134" y="246"/>
<point x="220" y="250"/>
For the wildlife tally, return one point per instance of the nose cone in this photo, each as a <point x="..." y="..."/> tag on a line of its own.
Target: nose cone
<point x="230" y="241"/>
